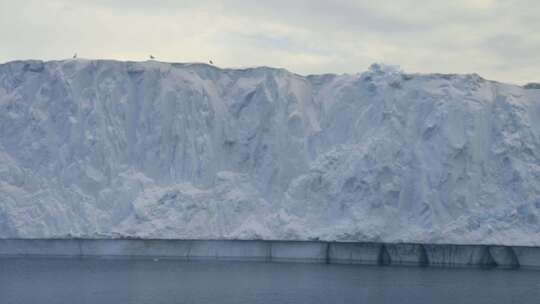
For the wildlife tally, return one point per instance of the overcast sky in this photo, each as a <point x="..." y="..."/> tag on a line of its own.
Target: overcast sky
<point x="499" y="39"/>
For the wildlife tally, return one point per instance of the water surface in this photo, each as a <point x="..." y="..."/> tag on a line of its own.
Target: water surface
<point x="58" y="280"/>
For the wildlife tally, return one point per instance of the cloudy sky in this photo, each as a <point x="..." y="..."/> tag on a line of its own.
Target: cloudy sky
<point x="499" y="39"/>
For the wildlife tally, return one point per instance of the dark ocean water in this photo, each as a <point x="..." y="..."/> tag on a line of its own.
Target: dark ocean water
<point x="58" y="280"/>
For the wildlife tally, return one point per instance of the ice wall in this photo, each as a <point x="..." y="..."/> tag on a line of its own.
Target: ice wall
<point x="104" y="149"/>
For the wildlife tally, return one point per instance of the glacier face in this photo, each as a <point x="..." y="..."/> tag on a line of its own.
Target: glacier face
<point x="96" y="148"/>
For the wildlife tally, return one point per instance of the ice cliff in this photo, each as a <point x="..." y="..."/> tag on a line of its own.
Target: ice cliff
<point x="96" y="148"/>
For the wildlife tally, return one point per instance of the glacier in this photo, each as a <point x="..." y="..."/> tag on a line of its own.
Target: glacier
<point x="111" y="149"/>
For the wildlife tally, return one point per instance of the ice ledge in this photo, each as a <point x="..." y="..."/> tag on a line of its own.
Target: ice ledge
<point x="282" y="251"/>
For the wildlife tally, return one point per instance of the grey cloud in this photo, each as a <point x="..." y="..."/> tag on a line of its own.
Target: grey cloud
<point x="497" y="39"/>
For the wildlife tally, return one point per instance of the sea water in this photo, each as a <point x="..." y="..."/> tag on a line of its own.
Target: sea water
<point x="92" y="280"/>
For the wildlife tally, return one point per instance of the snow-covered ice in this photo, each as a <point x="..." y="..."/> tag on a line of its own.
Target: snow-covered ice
<point x="96" y="148"/>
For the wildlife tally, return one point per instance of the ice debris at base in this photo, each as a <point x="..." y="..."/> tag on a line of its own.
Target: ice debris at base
<point x="96" y="148"/>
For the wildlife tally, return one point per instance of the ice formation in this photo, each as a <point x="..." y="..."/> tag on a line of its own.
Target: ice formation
<point x="96" y="148"/>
